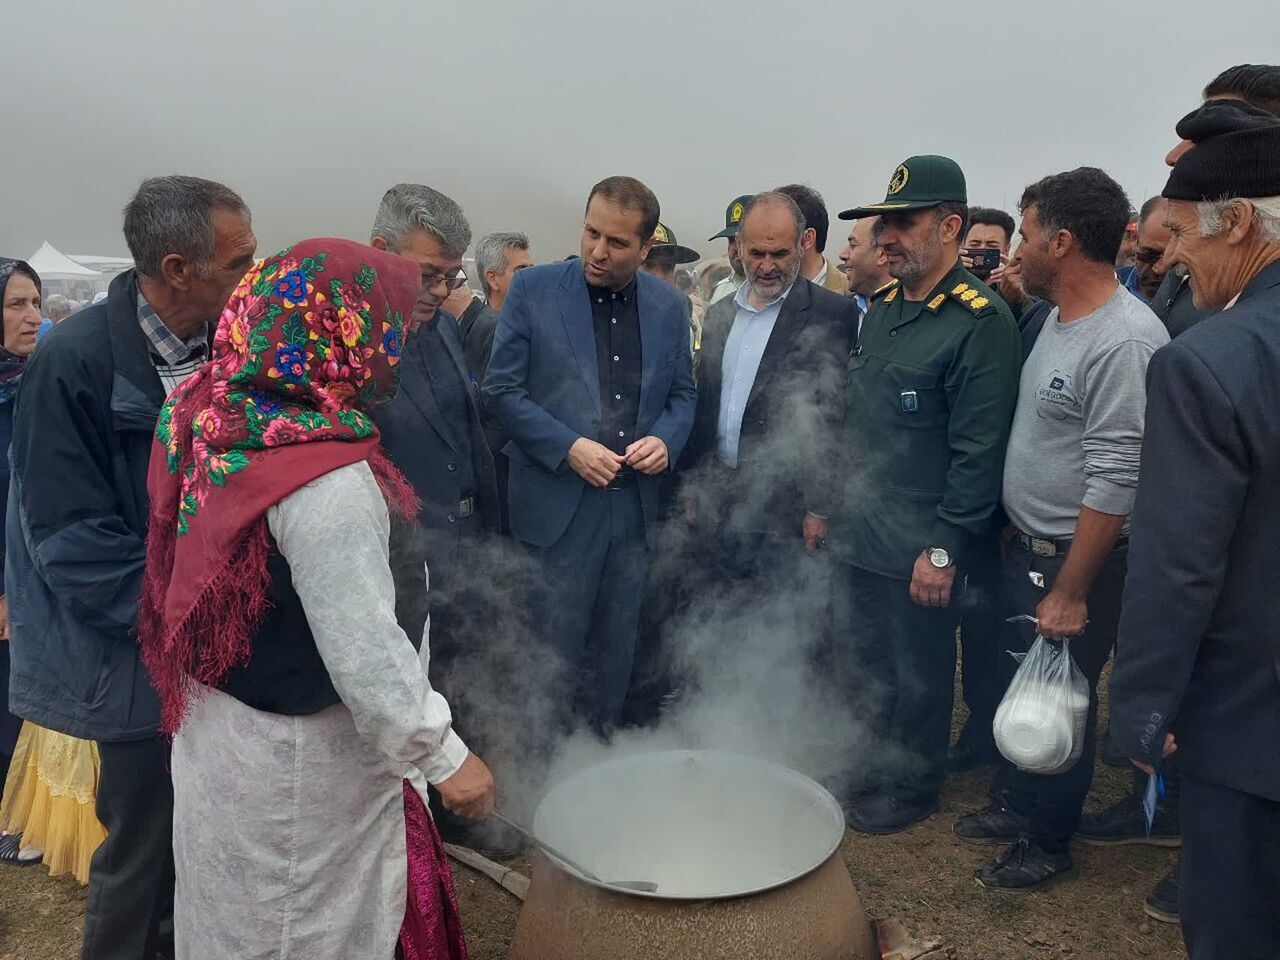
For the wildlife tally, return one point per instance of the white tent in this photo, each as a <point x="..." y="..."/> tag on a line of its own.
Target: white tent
<point x="52" y="265"/>
<point x="109" y="266"/>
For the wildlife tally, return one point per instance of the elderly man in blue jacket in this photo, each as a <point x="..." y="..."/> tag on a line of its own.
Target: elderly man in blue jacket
<point x="77" y="525"/>
<point x="591" y="377"/>
<point x="1198" y="655"/>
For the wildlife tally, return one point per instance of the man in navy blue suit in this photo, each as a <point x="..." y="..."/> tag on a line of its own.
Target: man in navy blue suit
<point x="591" y="377"/>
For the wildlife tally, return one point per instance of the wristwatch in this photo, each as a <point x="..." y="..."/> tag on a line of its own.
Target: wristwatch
<point x="939" y="557"/>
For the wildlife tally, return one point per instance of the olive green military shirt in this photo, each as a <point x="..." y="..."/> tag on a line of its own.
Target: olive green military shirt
<point x="930" y="398"/>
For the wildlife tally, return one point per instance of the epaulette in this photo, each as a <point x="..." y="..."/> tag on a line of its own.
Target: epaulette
<point x="972" y="298"/>
<point x="888" y="291"/>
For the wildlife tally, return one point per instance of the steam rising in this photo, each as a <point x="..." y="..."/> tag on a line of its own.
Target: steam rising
<point x="760" y="664"/>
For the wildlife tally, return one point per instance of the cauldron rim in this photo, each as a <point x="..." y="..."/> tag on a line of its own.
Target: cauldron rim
<point x="819" y="793"/>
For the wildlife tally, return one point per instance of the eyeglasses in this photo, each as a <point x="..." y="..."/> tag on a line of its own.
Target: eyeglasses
<point x="436" y="278"/>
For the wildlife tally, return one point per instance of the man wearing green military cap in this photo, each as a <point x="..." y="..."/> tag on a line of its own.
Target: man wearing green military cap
<point x="732" y="224"/>
<point x="931" y="392"/>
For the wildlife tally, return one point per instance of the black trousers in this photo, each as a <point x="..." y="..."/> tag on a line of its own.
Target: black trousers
<point x="128" y="912"/>
<point x="1230" y="887"/>
<point x="908" y="653"/>
<point x="981" y="633"/>
<point x="1054" y="803"/>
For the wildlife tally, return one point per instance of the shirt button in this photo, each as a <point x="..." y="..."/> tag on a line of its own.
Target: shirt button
<point x="617" y="396"/>
<point x="622" y="433"/>
<point x="453" y="518"/>
<point x="893" y="333"/>
<point x="599" y="299"/>
<point x="615" y="359"/>
<point x="614" y="320"/>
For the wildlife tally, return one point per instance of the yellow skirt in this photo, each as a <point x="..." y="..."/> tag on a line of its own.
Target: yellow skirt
<point x="49" y="798"/>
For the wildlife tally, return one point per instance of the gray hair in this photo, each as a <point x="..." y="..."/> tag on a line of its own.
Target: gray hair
<point x="1266" y="211"/>
<point x="491" y="252"/>
<point x="57" y="306"/>
<point x="411" y="206"/>
<point x="175" y="215"/>
<point x="775" y="198"/>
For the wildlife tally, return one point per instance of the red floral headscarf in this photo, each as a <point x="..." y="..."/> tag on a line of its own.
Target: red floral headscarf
<point x="306" y="346"/>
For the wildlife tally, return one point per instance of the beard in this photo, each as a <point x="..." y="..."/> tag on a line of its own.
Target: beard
<point x="1037" y="281"/>
<point x="916" y="264"/>
<point x="768" y="287"/>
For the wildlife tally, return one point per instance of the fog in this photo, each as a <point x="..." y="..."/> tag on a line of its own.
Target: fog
<point x="513" y="108"/>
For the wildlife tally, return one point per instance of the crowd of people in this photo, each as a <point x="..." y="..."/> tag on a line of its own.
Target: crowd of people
<point x="251" y="505"/>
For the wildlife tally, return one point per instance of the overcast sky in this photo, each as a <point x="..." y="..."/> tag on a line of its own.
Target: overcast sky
<point x="516" y="107"/>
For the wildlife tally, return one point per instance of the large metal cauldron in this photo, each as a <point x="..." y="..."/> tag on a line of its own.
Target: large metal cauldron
<point x="744" y="852"/>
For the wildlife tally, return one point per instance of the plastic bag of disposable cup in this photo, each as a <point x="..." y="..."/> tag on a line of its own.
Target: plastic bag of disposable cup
<point x="1040" y="723"/>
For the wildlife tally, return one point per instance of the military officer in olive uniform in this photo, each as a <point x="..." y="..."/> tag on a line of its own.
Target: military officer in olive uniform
<point x="931" y="390"/>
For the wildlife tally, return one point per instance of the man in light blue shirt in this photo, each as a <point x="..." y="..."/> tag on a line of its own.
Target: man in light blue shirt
<point x="761" y="457"/>
<point x="749" y="335"/>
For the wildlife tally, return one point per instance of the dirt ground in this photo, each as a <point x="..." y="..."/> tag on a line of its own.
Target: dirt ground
<point x="923" y="877"/>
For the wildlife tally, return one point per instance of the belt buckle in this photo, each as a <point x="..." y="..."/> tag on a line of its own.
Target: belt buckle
<point x="466" y="507"/>
<point x="1043" y="548"/>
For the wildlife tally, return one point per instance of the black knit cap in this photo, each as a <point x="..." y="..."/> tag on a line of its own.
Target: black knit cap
<point x="1236" y="153"/>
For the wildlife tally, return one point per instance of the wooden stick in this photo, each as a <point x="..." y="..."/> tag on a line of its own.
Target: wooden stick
<point x="517" y="884"/>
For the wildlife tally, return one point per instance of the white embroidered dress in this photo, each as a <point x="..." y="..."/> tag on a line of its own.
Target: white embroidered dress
<point x="288" y="832"/>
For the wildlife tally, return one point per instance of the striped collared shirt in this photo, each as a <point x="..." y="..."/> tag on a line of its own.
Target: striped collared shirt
<point x="175" y="359"/>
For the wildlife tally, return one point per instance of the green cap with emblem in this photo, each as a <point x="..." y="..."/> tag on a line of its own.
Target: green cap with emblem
<point x="733" y="217"/>
<point x="665" y="245"/>
<point x="917" y="183"/>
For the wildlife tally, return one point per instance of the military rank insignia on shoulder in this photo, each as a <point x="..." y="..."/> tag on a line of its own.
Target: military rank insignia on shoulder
<point x="970" y="297"/>
<point x="888" y="291"/>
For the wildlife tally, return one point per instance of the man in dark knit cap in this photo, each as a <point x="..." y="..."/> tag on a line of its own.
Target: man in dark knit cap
<point x="1258" y="85"/>
<point x="1198" y="657"/>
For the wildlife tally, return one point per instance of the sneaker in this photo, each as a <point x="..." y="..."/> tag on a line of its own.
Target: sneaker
<point x="1162" y="902"/>
<point x="1024" y="867"/>
<point x="883" y="814"/>
<point x="14" y="854"/>
<point x="1124" y="823"/>
<point x="997" y="823"/>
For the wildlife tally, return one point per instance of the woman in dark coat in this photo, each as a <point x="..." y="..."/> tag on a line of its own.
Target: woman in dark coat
<point x="20" y="297"/>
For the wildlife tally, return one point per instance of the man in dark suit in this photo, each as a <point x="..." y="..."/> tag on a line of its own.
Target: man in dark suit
<point x="769" y="401"/>
<point x="1198" y="654"/>
<point x="591" y="378"/>
<point x="499" y="257"/>
<point x="432" y="431"/>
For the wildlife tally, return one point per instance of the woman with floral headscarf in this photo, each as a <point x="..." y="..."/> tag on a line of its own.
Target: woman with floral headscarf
<point x="298" y="705"/>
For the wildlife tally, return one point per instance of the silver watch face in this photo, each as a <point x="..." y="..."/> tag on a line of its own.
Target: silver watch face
<point x="939" y="558"/>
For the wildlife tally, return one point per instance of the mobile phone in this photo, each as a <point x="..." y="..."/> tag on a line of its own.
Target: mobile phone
<point x="985" y="260"/>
